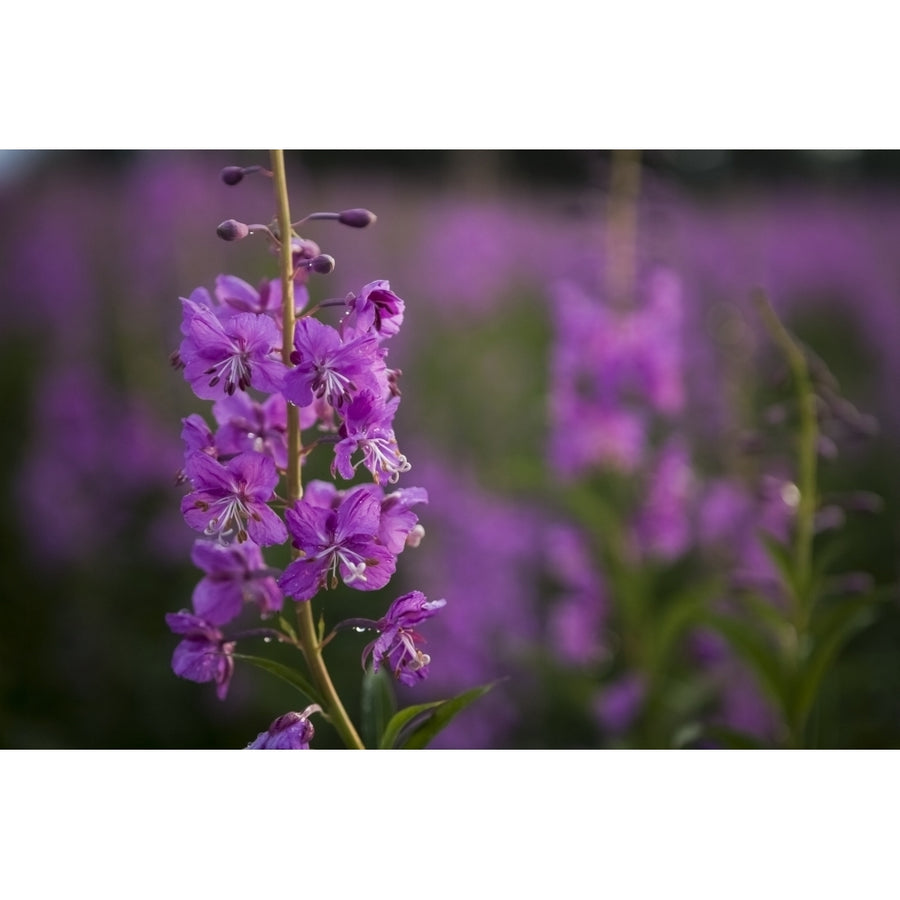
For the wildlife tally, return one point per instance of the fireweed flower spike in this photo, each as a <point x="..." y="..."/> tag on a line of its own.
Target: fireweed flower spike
<point x="239" y="340"/>
<point x="396" y="645"/>
<point x="292" y="731"/>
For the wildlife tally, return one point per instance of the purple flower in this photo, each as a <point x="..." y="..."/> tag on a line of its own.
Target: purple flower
<point x="292" y="731"/>
<point x="204" y="654"/>
<point x="375" y="309"/>
<point x="367" y="427"/>
<point x="239" y="296"/>
<point x="329" y="368"/>
<point x="245" y="424"/>
<point x="619" y="704"/>
<point x="399" y="526"/>
<point x="233" y="497"/>
<point x="197" y="436"/>
<point x="337" y="542"/>
<point x="222" y="356"/>
<point x="663" y="527"/>
<point x="235" y="573"/>
<point x="396" y="645"/>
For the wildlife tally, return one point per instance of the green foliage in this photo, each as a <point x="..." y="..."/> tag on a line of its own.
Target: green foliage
<point x="415" y="727"/>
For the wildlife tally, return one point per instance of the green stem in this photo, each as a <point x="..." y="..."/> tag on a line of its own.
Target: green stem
<point x="808" y="437"/>
<point x="309" y="639"/>
<point x="807" y="461"/>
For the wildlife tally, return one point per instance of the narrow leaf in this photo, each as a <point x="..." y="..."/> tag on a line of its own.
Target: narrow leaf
<point x="403" y="718"/>
<point x="287" y="628"/>
<point x="422" y="734"/>
<point x="285" y="673"/>
<point x="780" y="555"/>
<point x="378" y="705"/>
<point x="762" y="657"/>
<point x="830" y="633"/>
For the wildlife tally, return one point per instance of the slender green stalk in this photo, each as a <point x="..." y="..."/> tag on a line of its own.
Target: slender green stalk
<point x="309" y="640"/>
<point x="807" y="460"/>
<point x="622" y="226"/>
<point x="808" y="437"/>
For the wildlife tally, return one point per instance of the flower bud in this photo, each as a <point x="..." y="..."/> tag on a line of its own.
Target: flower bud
<point x="356" y="218"/>
<point x="232" y="174"/>
<point x="323" y="264"/>
<point x="232" y="230"/>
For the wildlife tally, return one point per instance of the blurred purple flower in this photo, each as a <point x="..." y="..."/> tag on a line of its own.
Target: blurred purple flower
<point x="618" y="704"/>
<point x="663" y="527"/>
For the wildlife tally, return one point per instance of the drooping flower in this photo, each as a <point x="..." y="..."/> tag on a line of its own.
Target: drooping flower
<point x="223" y="356"/>
<point x="396" y="645"/>
<point x="399" y="526"/>
<point x="204" y="654"/>
<point x="376" y="309"/>
<point x="235" y="574"/>
<point x="292" y="731"/>
<point x="339" y="543"/>
<point x="231" y="498"/>
<point x="326" y="367"/>
<point x="367" y="427"/>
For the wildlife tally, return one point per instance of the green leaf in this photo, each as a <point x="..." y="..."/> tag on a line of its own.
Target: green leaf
<point x="402" y="718"/>
<point x="686" y="609"/>
<point x="287" y="628"/>
<point x="732" y="739"/>
<point x="781" y="559"/>
<point x="763" y="658"/>
<point x="422" y="733"/>
<point x="830" y="632"/>
<point x="285" y="673"/>
<point x="378" y="705"/>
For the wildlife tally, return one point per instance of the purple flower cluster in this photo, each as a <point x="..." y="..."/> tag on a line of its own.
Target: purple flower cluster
<point x="231" y="353"/>
<point x="610" y="369"/>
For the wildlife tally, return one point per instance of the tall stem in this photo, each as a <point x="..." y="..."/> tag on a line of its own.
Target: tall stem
<point x="807" y="460"/>
<point x="309" y="641"/>
<point x="624" y="191"/>
<point x="796" y="716"/>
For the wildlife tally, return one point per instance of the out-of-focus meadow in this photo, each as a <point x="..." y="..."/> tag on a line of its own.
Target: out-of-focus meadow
<point x="604" y="428"/>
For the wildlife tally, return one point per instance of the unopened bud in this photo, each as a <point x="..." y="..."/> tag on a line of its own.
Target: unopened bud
<point x="323" y="264"/>
<point x="232" y="174"/>
<point x="232" y="230"/>
<point x="357" y="218"/>
<point x="235" y="174"/>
